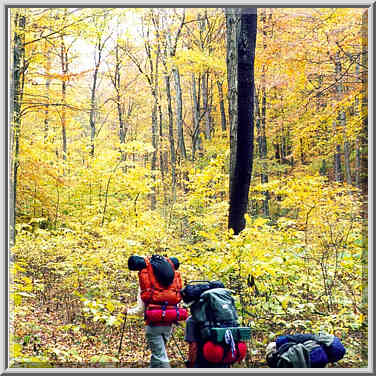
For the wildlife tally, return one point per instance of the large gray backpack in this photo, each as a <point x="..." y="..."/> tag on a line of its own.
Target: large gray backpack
<point x="214" y="309"/>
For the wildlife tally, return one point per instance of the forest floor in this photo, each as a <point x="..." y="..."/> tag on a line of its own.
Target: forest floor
<point x="72" y="346"/>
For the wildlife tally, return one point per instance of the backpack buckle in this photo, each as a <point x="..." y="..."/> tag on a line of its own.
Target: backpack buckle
<point x="164" y="310"/>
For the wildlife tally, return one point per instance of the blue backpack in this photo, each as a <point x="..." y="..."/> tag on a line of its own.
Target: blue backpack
<point x="305" y="351"/>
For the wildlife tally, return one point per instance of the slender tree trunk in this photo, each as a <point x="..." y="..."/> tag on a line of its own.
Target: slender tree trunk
<point x="346" y="150"/>
<point x="210" y="106"/>
<point x="319" y="104"/>
<point x="97" y="60"/>
<point x="179" y="100"/>
<point x="64" y="71"/>
<point x="15" y="103"/>
<point x="92" y="120"/>
<point x="171" y="138"/>
<point x="163" y="161"/>
<point x="179" y="112"/>
<point x="92" y="111"/>
<point x="302" y="154"/>
<point x="263" y="144"/>
<point x="48" y="82"/>
<point x="116" y="82"/>
<point x="222" y="105"/>
<point x="338" y="175"/>
<point x="202" y="22"/>
<point x="153" y="81"/>
<point x="205" y="104"/>
<point x="357" y="162"/>
<point x="196" y="118"/>
<point x="241" y="42"/>
<point x="122" y="128"/>
<point x="154" y="137"/>
<point x="258" y="132"/>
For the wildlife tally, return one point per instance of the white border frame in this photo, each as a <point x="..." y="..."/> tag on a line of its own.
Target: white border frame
<point x="193" y="3"/>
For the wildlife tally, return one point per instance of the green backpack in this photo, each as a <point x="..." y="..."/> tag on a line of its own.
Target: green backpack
<point x="214" y="309"/>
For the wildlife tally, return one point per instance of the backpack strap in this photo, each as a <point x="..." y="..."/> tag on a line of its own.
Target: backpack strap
<point x="229" y="340"/>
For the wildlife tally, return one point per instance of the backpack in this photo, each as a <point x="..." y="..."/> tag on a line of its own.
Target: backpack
<point x="215" y="308"/>
<point x="315" y="351"/>
<point x="159" y="282"/>
<point x="214" y="312"/>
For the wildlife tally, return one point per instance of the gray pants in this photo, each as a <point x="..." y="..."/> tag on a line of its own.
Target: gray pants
<point x="157" y="337"/>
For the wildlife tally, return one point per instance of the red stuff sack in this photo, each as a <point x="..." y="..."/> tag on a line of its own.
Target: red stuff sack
<point x="213" y="352"/>
<point x="242" y="351"/>
<point x="169" y="315"/>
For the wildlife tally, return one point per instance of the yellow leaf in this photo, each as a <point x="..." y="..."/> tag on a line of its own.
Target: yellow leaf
<point x="16" y="350"/>
<point x="285" y="302"/>
<point x="110" y="306"/>
<point x="360" y="320"/>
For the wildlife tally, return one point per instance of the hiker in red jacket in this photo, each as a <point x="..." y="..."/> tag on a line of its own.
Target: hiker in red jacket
<point x="157" y="300"/>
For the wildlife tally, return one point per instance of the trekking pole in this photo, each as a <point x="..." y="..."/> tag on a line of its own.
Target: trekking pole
<point x="176" y="343"/>
<point x="122" y="334"/>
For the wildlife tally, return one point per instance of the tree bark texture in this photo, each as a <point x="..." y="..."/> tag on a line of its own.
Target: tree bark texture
<point x="171" y="138"/>
<point x="196" y="117"/>
<point x="205" y="104"/>
<point x="179" y="112"/>
<point x="262" y="144"/>
<point x="222" y="105"/>
<point x="241" y="33"/>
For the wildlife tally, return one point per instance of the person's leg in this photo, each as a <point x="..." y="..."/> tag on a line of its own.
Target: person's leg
<point x="157" y="337"/>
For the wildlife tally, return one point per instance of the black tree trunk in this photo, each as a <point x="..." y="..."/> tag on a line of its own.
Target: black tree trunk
<point x="242" y="149"/>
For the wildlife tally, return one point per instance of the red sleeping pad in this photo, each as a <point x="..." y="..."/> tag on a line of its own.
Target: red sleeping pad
<point x="168" y="315"/>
